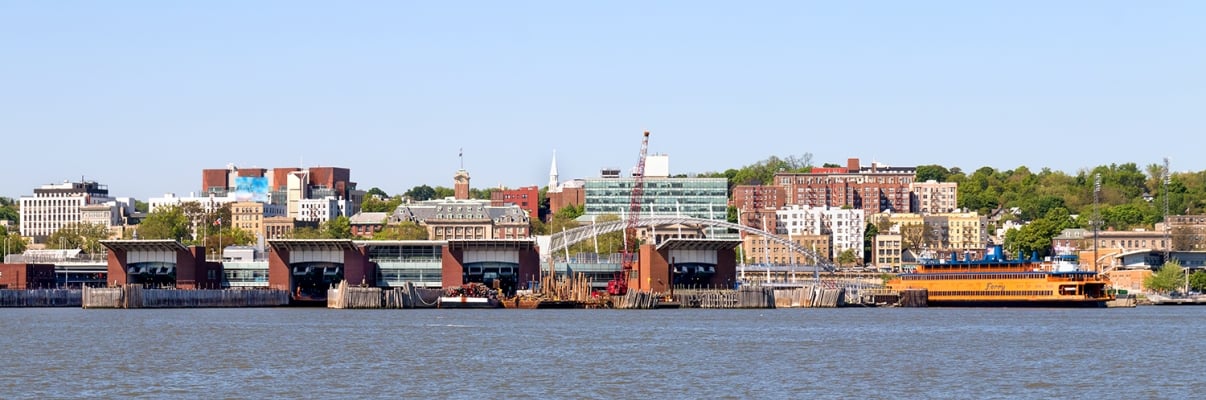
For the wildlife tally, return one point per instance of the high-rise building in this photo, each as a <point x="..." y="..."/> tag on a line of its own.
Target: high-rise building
<point x="55" y="206"/>
<point x="872" y="189"/>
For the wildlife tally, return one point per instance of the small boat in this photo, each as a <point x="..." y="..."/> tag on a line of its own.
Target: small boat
<point x="468" y="302"/>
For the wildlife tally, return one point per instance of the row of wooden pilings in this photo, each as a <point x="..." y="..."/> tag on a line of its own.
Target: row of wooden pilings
<point x="344" y="296"/>
<point x="136" y="296"/>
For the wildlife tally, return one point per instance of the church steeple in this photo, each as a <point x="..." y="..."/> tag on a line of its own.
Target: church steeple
<point x="553" y="181"/>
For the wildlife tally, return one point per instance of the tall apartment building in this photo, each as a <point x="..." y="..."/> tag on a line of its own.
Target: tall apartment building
<point x="54" y="206"/>
<point x="940" y="232"/>
<point x="934" y="197"/>
<point x="872" y="189"/>
<point x="845" y="227"/>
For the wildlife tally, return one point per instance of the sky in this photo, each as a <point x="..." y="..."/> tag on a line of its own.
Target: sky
<point x="143" y="95"/>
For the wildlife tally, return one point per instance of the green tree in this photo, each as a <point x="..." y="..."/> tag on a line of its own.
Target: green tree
<point x="14" y="244"/>
<point x="869" y="241"/>
<point x="337" y="228"/>
<point x="443" y="192"/>
<point x="932" y="172"/>
<point x="372" y="204"/>
<point x="1167" y="279"/>
<point x="375" y="191"/>
<point x="166" y="223"/>
<point x="421" y="193"/>
<point x="1036" y="236"/>
<point x="611" y="242"/>
<point x="228" y="236"/>
<point x="141" y="206"/>
<point x="9" y="210"/>
<point x="406" y="230"/>
<point x="85" y="237"/>
<point x="847" y="257"/>
<point x="1197" y="281"/>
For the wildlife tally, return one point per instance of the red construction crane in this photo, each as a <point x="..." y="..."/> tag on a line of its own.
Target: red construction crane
<point x="619" y="285"/>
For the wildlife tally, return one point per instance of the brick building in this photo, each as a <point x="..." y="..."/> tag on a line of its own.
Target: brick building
<point x="527" y="198"/>
<point x="756" y="205"/>
<point x="872" y="189"/>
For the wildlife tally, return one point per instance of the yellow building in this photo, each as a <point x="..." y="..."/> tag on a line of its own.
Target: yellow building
<point x="248" y="216"/>
<point x="886" y="251"/>
<point x="760" y="250"/>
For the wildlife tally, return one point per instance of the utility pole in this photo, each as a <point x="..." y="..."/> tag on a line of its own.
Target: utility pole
<point x="1096" y="220"/>
<point x="1167" y="238"/>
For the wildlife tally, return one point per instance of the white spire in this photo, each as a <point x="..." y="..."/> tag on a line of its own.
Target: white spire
<point x="553" y="174"/>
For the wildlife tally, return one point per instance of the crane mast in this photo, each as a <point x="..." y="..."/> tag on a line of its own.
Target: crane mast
<point x="619" y="285"/>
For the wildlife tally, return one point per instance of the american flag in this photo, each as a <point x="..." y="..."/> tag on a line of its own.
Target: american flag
<point x="218" y="222"/>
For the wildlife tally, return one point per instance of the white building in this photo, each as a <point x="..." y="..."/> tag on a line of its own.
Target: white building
<point x="55" y="206"/>
<point x="208" y="203"/>
<point x="845" y="227"/>
<point x="933" y="197"/>
<point x="322" y="210"/>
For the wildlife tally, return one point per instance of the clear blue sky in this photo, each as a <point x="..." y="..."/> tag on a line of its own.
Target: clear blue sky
<point x="143" y="95"/>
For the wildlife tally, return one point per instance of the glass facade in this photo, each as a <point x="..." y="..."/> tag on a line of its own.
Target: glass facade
<point x="694" y="197"/>
<point x="705" y="198"/>
<point x="401" y="263"/>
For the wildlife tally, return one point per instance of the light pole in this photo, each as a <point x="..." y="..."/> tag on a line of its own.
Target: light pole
<point x="1096" y="219"/>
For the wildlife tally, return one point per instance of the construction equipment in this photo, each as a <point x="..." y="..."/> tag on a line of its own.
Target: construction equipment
<point x="619" y="285"/>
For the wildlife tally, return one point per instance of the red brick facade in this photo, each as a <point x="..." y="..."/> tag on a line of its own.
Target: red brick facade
<point x="873" y="189"/>
<point x="527" y="198"/>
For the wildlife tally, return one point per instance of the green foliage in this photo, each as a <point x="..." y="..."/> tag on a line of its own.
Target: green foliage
<point x="1197" y="281"/>
<point x="14" y="244"/>
<point x="337" y="228"/>
<point x="847" y="257"/>
<point x="869" y="241"/>
<point x="611" y="242"/>
<point x="407" y="230"/>
<point x="228" y="236"/>
<point x="763" y="172"/>
<point x="166" y="223"/>
<point x="481" y="194"/>
<point x="1167" y="279"/>
<point x="372" y="204"/>
<point x="9" y="210"/>
<point x="306" y="232"/>
<point x="731" y="215"/>
<point x="141" y="206"/>
<point x="932" y="172"/>
<point x="421" y="193"/>
<point x="1036" y="236"/>
<point x="444" y="192"/>
<point x="375" y="191"/>
<point x="85" y="237"/>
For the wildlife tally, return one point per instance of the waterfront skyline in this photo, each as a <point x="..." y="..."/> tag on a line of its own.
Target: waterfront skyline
<point x="142" y="95"/>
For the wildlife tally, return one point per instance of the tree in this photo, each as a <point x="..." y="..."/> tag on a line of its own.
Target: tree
<point x="85" y="237"/>
<point x="141" y="206"/>
<point x="931" y="172"/>
<point x="9" y="210"/>
<point x="1197" y="281"/>
<point x="611" y="242"/>
<point x="166" y="223"/>
<point x="406" y="230"/>
<point x="421" y="193"/>
<point x="847" y="257"/>
<point x="1167" y="279"/>
<point x="230" y="236"/>
<point x="443" y="192"/>
<point x="375" y="191"/>
<point x="912" y="236"/>
<point x="14" y="244"/>
<point x="372" y="204"/>
<point x="869" y="241"/>
<point x="1036" y="236"/>
<point x="337" y="228"/>
<point x="306" y="232"/>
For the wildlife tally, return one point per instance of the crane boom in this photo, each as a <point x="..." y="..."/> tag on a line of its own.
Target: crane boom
<point x="619" y="285"/>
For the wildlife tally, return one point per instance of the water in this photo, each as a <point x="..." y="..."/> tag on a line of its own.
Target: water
<point x="1145" y="352"/>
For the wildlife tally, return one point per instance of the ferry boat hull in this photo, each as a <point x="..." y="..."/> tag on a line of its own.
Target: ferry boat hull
<point x="996" y="282"/>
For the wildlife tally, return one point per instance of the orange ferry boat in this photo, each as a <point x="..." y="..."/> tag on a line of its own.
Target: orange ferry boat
<point x="997" y="282"/>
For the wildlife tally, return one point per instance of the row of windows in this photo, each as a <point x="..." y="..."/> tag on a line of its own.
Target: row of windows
<point x="992" y="293"/>
<point x="960" y="276"/>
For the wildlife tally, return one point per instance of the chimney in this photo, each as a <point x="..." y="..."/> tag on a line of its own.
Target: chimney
<point x="852" y="165"/>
